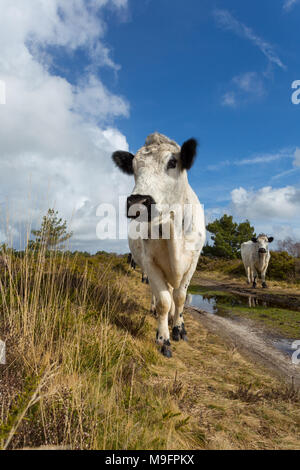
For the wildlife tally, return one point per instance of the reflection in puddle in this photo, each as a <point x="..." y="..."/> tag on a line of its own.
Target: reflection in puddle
<point x="213" y="304"/>
<point x="210" y="302"/>
<point x="284" y="345"/>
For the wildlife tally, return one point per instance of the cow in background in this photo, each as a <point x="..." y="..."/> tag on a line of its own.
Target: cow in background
<point x="256" y="256"/>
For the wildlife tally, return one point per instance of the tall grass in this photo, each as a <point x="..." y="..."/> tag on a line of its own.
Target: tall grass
<point x="77" y="358"/>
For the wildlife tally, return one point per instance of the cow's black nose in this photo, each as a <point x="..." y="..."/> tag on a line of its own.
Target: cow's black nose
<point x="262" y="250"/>
<point x="139" y="199"/>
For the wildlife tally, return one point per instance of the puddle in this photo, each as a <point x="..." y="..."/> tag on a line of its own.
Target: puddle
<point x="215" y="304"/>
<point x="284" y="345"/>
<point x="198" y="301"/>
<point x="211" y="302"/>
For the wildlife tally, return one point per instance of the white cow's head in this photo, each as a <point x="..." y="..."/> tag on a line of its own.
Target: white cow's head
<point x="262" y="242"/>
<point x="159" y="170"/>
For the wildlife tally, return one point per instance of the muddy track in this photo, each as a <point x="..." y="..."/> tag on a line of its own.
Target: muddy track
<point x="283" y="299"/>
<point x="252" y="341"/>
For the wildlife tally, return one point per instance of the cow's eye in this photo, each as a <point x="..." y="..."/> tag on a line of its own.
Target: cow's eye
<point x="172" y="163"/>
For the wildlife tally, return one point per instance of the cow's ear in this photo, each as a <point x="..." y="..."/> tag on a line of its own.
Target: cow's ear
<point x="270" y="239"/>
<point x="188" y="153"/>
<point x="254" y="239"/>
<point x="123" y="160"/>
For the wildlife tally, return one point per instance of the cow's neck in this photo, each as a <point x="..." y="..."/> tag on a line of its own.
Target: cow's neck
<point x="175" y="245"/>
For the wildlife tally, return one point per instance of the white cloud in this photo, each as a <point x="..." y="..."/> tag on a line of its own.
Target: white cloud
<point x="250" y="82"/>
<point x="289" y="4"/>
<point x="245" y="87"/>
<point x="273" y="211"/>
<point x="229" y="99"/>
<point x="267" y="203"/>
<point x="296" y="165"/>
<point x="56" y="138"/>
<point x="261" y="158"/>
<point x="227" y="21"/>
<point x="297" y="157"/>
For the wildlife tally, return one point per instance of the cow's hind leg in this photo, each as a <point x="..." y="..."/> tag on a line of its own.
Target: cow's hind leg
<point x="163" y="305"/>
<point x="172" y="309"/>
<point x="153" y="306"/>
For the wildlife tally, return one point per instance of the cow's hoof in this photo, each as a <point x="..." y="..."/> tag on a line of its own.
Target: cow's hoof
<point x="183" y="333"/>
<point x="176" y="333"/>
<point x="264" y="285"/>
<point x="254" y="285"/>
<point x="166" y="349"/>
<point x="179" y="333"/>
<point x="147" y="281"/>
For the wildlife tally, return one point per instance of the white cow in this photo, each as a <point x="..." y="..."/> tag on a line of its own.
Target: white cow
<point x="169" y="257"/>
<point x="256" y="256"/>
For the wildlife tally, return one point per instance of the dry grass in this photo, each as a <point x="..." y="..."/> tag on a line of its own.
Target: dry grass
<point x="83" y="371"/>
<point x="77" y="358"/>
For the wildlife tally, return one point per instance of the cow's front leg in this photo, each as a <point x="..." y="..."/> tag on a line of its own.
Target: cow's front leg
<point x="263" y="278"/>
<point x="248" y="273"/>
<point x="163" y="305"/>
<point x="254" y="278"/>
<point x="179" y="330"/>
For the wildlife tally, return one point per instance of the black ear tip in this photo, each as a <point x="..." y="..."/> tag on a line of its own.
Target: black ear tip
<point x="123" y="160"/>
<point x="190" y="144"/>
<point x="188" y="153"/>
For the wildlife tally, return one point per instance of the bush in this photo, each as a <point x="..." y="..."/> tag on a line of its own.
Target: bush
<point x="226" y="266"/>
<point x="282" y="266"/>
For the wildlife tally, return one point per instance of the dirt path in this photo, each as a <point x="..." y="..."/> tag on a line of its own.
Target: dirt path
<point x="251" y="341"/>
<point x="227" y="399"/>
<point x="247" y="336"/>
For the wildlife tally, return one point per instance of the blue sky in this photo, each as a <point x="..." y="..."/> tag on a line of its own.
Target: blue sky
<point x="178" y="66"/>
<point x="89" y="77"/>
<point x="179" y="63"/>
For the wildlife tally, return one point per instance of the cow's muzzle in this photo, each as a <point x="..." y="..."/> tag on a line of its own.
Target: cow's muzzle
<point x="262" y="250"/>
<point x="139" y="205"/>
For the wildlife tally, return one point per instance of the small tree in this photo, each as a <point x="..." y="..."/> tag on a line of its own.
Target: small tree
<point x="291" y="246"/>
<point x="53" y="231"/>
<point x="227" y="237"/>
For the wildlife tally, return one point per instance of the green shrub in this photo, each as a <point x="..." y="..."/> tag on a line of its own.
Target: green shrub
<point x="282" y="266"/>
